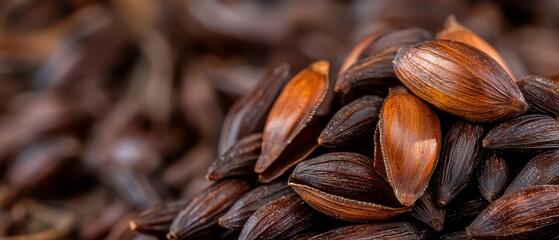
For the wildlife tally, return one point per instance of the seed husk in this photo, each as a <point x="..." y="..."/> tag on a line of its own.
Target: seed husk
<point x="156" y="220"/>
<point x="460" y="157"/>
<point x="238" y="214"/>
<point x="410" y="140"/>
<point x="528" y="132"/>
<point x="238" y="160"/>
<point x="541" y="170"/>
<point x="248" y="114"/>
<point x="426" y="211"/>
<point x="289" y="122"/>
<point x="279" y="219"/>
<point x="393" y="230"/>
<point x="459" y="79"/>
<point x="453" y="30"/>
<point x="493" y="177"/>
<point x="345" y="186"/>
<point x="541" y="93"/>
<point x="532" y="212"/>
<point x="351" y="122"/>
<point x="201" y="214"/>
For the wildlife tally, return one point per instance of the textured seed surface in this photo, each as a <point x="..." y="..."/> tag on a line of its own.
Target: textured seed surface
<point x="541" y="93"/>
<point x="238" y="160"/>
<point x="157" y="219"/>
<point x="395" y="230"/>
<point x="493" y="177"/>
<point x="427" y="211"/>
<point x="535" y="131"/>
<point x="541" y="170"/>
<point x="459" y="79"/>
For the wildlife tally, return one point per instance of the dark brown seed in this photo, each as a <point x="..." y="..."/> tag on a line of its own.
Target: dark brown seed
<point x="351" y="122"/>
<point x="238" y="160"/>
<point x="464" y="212"/>
<point x="461" y="235"/>
<point x="304" y="236"/>
<point x="426" y="211"/>
<point x="292" y="129"/>
<point x="248" y="114"/>
<point x="374" y="73"/>
<point x="345" y="186"/>
<point x="202" y="212"/>
<point x="532" y="212"/>
<point x="460" y="79"/>
<point x="493" y="176"/>
<point x="395" y="230"/>
<point x="541" y="93"/>
<point x="356" y="53"/>
<point x="239" y="213"/>
<point x="460" y="157"/>
<point x="157" y="219"/>
<point x="410" y="140"/>
<point x="390" y="41"/>
<point x="535" y="131"/>
<point x="541" y="170"/>
<point x="279" y="219"/>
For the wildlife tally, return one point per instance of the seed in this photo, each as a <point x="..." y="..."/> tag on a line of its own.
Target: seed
<point x="493" y="177"/>
<point x="426" y="211"/>
<point x="528" y="132"/>
<point x="157" y="219"/>
<point x="460" y="157"/>
<point x="410" y="140"/>
<point x="541" y="93"/>
<point x="459" y="79"/>
<point x="239" y="160"/>
<point x="248" y="114"/>
<point x="279" y="219"/>
<point x="532" y="212"/>
<point x="394" y="230"/>
<point x="541" y="170"/>
<point x="289" y="135"/>
<point x="351" y="122"/>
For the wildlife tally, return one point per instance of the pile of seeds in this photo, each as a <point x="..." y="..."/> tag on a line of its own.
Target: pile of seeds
<point x="419" y="136"/>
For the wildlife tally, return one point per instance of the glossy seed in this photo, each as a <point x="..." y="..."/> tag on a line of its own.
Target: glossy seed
<point x="394" y="230"/>
<point x="460" y="157"/>
<point x="528" y="132"/>
<point x="351" y="122"/>
<point x="239" y="160"/>
<point x="460" y="79"/>
<point x="541" y="170"/>
<point x="493" y="177"/>
<point x="410" y="140"/>
<point x="279" y="219"/>
<point x="532" y="212"/>
<point x="157" y="219"/>
<point x="426" y="211"/>
<point x="541" y="93"/>
<point x="239" y="213"/>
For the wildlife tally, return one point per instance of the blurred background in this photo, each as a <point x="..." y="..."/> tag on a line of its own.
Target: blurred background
<point x="110" y="106"/>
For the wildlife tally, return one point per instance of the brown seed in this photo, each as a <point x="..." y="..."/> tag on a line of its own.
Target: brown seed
<point x="248" y="114"/>
<point x="157" y="219"/>
<point x="238" y="160"/>
<point x="289" y="135"/>
<point x="390" y="41"/>
<point x="460" y="235"/>
<point x="410" y="140"/>
<point x="541" y="93"/>
<point x="355" y="53"/>
<point x="345" y="186"/>
<point x="426" y="211"/>
<point x="460" y="157"/>
<point x="394" y="230"/>
<point x="541" y="170"/>
<point x="464" y="212"/>
<point x="239" y="213"/>
<point x="493" y="176"/>
<point x="279" y="219"/>
<point x="460" y="79"/>
<point x="455" y="31"/>
<point x="535" y="131"/>
<point x="351" y="122"/>
<point x="532" y="212"/>
<point x="202" y="212"/>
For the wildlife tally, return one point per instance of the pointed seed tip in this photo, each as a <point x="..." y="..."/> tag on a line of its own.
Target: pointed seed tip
<point x="485" y="143"/>
<point x="321" y="67"/>
<point x="132" y="225"/>
<point x="171" y="236"/>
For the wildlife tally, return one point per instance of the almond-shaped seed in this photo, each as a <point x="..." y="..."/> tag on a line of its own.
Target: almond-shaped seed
<point x="239" y="213"/>
<point x="156" y="220"/>
<point x="201" y="214"/>
<point x="390" y="41"/>
<point x="426" y="211"/>
<point x="534" y="131"/>
<point x="393" y="230"/>
<point x="345" y="186"/>
<point x="532" y="212"/>
<point x="248" y="114"/>
<point x="279" y="219"/>
<point x="455" y="31"/>
<point x="289" y="122"/>
<point x="238" y="160"/>
<point x="541" y="170"/>
<point x="351" y="122"/>
<point x="355" y="53"/>
<point x="460" y="157"/>
<point x="541" y="93"/>
<point x="410" y="141"/>
<point x="493" y="177"/>
<point x="460" y="79"/>
<point x="460" y="235"/>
